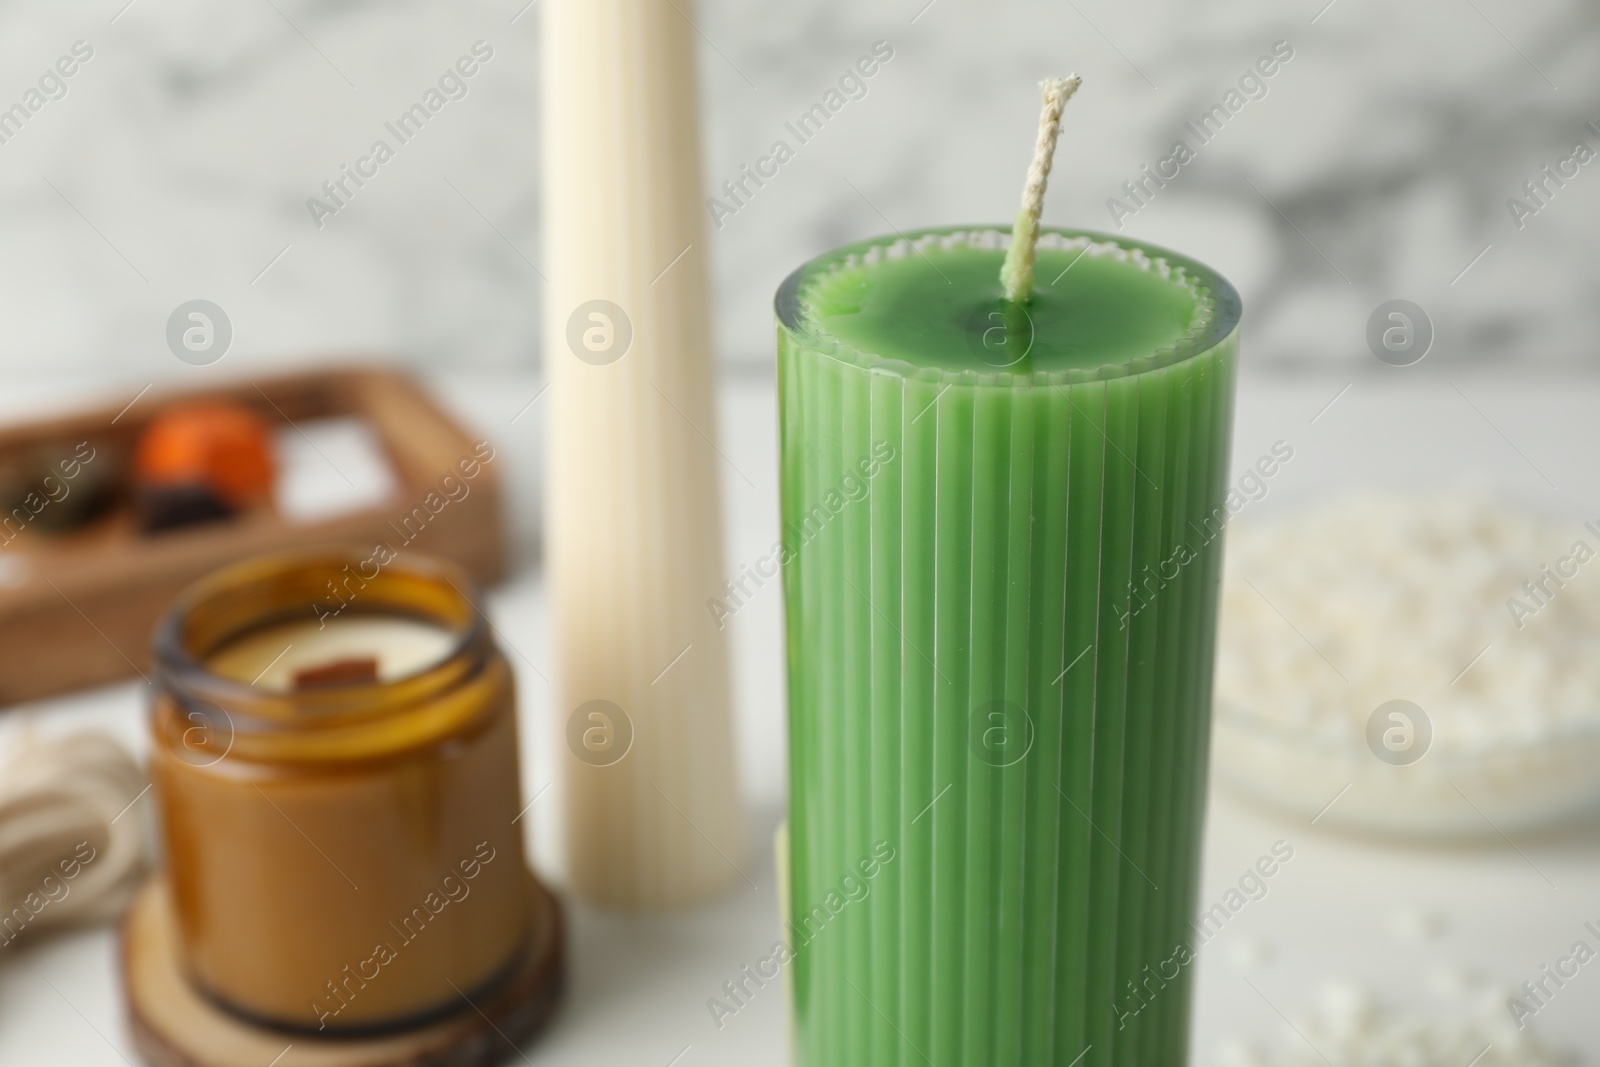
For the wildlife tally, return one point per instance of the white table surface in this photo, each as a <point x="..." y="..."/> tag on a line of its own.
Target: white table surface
<point x="1343" y="908"/>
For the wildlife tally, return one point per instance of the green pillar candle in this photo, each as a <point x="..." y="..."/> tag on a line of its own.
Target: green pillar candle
<point x="1002" y="547"/>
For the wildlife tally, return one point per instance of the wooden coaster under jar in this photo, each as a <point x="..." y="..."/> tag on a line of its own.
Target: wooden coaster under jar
<point x="334" y="755"/>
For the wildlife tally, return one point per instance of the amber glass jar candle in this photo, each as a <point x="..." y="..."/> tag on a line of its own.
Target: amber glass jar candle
<point x="334" y="752"/>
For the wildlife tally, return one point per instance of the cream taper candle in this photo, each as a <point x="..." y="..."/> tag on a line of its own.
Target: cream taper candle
<point x="634" y="531"/>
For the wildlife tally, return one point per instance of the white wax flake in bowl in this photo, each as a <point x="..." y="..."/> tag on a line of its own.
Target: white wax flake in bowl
<point x="1351" y="1027"/>
<point x="1484" y="619"/>
<point x="331" y="467"/>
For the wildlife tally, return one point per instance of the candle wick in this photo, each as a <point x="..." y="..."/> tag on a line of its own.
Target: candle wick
<point x="1016" y="276"/>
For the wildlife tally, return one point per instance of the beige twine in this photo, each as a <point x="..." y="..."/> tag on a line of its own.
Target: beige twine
<point x="72" y="844"/>
<point x="1016" y="276"/>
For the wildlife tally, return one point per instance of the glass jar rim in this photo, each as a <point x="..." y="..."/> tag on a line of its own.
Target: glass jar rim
<point x="181" y="669"/>
<point x="1224" y="307"/>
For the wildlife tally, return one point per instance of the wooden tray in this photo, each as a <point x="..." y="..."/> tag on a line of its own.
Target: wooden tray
<point x="174" y="1026"/>
<point x="77" y="608"/>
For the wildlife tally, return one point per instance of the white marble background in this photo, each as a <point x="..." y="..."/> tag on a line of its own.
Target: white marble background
<point x="179" y="161"/>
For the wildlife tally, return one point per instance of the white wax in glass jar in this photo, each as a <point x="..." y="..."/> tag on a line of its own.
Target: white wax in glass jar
<point x="270" y="658"/>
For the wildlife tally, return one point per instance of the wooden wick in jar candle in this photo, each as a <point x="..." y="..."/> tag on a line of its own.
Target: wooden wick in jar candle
<point x="1016" y="275"/>
<point x="338" y="672"/>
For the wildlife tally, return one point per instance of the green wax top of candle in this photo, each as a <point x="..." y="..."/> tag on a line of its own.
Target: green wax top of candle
<point x="1100" y="306"/>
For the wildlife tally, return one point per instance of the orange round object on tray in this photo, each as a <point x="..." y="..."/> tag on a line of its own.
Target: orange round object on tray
<point x="224" y="447"/>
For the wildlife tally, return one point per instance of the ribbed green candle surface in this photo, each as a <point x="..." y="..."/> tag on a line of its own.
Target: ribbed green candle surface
<point x="1002" y="546"/>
